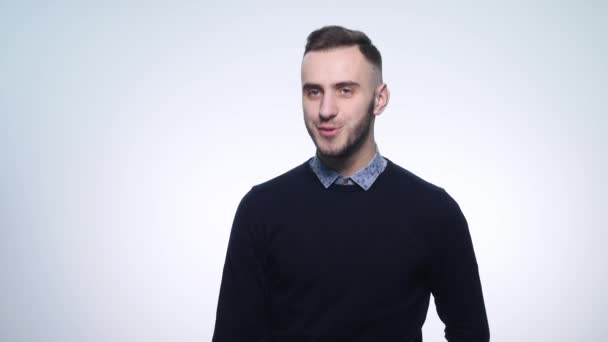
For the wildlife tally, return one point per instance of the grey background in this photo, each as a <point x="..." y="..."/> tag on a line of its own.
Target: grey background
<point x="130" y="130"/>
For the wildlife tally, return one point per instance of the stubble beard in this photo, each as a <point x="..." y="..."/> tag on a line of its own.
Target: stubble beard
<point x="353" y="142"/>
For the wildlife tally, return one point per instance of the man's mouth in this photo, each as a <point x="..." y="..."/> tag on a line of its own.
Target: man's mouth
<point x="328" y="131"/>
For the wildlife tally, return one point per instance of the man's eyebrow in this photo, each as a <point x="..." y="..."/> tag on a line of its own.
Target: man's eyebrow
<point x="308" y="86"/>
<point x="347" y="84"/>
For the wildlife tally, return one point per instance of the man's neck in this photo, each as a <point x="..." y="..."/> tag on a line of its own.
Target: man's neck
<point x="350" y="164"/>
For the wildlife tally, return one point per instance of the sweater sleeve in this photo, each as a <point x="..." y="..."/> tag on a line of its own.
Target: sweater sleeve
<point x="242" y="311"/>
<point x="454" y="278"/>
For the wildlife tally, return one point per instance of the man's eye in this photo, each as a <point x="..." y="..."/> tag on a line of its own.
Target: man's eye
<point x="346" y="91"/>
<point x="313" y="92"/>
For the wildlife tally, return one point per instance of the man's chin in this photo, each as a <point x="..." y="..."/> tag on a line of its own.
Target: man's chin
<point x="334" y="148"/>
<point x="330" y="153"/>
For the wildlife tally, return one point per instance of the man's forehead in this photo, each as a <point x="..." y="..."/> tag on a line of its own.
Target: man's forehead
<point x="337" y="64"/>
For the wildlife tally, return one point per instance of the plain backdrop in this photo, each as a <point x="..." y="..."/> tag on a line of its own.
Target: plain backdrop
<point x="130" y="130"/>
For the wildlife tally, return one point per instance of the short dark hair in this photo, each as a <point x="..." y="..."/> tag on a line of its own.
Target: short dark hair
<point x="329" y="37"/>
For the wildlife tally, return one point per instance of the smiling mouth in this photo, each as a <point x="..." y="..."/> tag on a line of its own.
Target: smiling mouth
<point x="328" y="131"/>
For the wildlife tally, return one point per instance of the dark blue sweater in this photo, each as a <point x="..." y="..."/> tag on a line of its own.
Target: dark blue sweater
<point x="305" y="263"/>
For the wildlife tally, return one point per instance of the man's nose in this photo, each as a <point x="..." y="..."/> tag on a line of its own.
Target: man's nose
<point x="329" y="107"/>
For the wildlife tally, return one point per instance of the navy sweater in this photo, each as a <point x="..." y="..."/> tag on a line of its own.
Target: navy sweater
<point x="305" y="263"/>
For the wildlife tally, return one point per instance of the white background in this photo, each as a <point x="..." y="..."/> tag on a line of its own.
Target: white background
<point x="129" y="131"/>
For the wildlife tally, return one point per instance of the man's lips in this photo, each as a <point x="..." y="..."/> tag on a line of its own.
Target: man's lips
<point x="328" y="131"/>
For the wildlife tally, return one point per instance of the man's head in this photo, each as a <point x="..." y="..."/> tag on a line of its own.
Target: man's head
<point x="342" y="91"/>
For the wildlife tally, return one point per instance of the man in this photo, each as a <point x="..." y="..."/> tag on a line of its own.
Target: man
<point x="347" y="246"/>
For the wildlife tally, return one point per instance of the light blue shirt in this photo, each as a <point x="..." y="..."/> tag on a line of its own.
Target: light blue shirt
<point x="364" y="177"/>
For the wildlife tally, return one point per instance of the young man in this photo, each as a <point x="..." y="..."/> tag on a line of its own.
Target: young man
<point x="347" y="246"/>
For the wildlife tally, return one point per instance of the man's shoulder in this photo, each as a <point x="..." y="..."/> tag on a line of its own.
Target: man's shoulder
<point x="401" y="177"/>
<point x="423" y="194"/>
<point x="288" y="181"/>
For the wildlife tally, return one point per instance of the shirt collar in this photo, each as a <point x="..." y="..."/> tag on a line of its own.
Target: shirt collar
<point x="364" y="177"/>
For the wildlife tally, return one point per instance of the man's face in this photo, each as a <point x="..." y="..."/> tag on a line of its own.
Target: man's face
<point x="338" y="99"/>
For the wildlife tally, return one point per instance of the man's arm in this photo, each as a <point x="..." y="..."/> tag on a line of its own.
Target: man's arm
<point x="242" y="312"/>
<point x="454" y="278"/>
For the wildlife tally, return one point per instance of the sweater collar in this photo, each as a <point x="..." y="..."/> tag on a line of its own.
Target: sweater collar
<point x="365" y="177"/>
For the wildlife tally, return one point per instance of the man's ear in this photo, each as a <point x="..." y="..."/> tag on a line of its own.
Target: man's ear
<point x="381" y="98"/>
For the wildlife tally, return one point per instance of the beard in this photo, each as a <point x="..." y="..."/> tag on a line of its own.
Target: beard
<point x="354" y="140"/>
